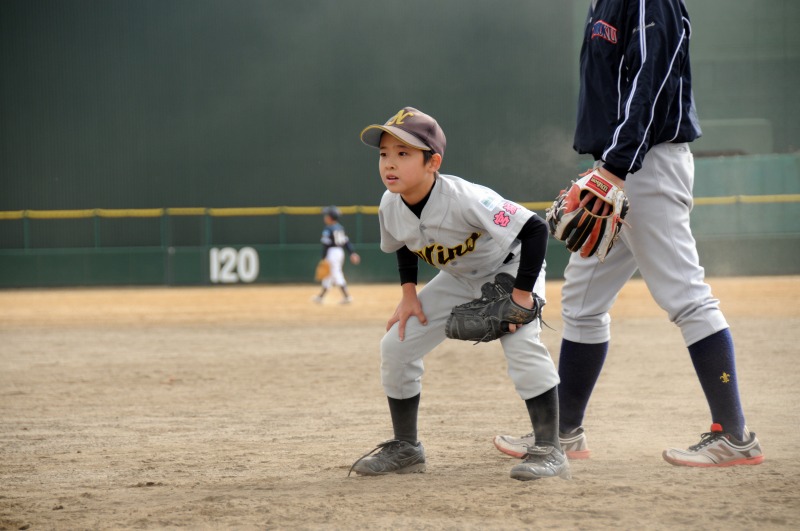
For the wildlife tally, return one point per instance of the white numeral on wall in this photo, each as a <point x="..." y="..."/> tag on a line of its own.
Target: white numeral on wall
<point x="229" y="266"/>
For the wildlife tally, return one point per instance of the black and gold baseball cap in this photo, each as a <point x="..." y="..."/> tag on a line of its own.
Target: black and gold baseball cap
<point x="410" y="126"/>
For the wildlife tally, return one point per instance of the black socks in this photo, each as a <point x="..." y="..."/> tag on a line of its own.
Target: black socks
<point x="543" y="410"/>
<point x="404" y="418"/>
<point x="579" y="367"/>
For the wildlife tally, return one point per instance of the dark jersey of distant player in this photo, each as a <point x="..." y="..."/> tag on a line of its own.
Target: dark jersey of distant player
<point x="335" y="236"/>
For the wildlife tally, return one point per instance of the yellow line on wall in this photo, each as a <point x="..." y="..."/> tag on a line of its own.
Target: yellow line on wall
<point x="313" y="210"/>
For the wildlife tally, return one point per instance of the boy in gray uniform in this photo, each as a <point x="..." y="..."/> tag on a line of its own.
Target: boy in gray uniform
<point x="470" y="234"/>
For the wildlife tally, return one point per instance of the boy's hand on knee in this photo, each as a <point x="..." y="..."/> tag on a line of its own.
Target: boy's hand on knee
<point x="409" y="307"/>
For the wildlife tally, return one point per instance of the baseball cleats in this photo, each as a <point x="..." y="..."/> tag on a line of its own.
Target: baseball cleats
<point x="394" y="457"/>
<point x="514" y="446"/>
<point x="574" y="444"/>
<point x="542" y="462"/>
<point x="717" y="448"/>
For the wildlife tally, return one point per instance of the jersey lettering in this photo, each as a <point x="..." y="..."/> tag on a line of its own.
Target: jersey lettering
<point x="339" y="238"/>
<point x="437" y="253"/>
<point x="604" y="30"/>
<point x="334" y="236"/>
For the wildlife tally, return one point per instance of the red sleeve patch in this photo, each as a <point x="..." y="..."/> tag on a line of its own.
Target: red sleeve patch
<point x="510" y="207"/>
<point x="502" y="219"/>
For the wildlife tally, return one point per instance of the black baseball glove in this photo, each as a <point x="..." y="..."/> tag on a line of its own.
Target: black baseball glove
<point x="487" y="318"/>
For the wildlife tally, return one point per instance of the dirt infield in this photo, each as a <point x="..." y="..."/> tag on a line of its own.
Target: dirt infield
<point x="243" y="407"/>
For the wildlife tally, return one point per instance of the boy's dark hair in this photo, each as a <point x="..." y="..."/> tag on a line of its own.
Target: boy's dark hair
<point x="426" y="156"/>
<point x="332" y="211"/>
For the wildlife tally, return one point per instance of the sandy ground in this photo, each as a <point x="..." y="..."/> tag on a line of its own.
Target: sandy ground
<point x="244" y="407"/>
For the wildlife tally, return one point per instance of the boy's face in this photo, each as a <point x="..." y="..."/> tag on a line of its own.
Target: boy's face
<point x="403" y="170"/>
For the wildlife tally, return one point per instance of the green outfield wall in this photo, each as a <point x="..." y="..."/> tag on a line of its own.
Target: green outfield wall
<point x="144" y="141"/>
<point x="138" y="104"/>
<point x="191" y="266"/>
<point x="754" y="230"/>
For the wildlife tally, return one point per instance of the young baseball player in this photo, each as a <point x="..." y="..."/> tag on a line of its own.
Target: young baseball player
<point x="636" y="117"/>
<point x="470" y="234"/>
<point x="334" y="244"/>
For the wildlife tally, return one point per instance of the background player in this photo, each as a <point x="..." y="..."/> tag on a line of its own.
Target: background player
<point x="636" y="117"/>
<point x="334" y="244"/>
<point x="470" y="234"/>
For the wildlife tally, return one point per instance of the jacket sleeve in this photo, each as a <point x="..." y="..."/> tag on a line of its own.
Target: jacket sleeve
<point x="656" y="42"/>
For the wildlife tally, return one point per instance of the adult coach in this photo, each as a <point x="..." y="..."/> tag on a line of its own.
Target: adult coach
<point x="636" y="117"/>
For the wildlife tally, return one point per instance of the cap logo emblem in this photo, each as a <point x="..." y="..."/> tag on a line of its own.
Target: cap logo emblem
<point x="398" y="118"/>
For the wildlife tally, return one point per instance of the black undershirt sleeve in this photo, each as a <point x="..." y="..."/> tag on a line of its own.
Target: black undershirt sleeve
<point x="407" y="265"/>
<point x="533" y="236"/>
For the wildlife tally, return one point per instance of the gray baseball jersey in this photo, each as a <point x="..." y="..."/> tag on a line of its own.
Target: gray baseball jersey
<point x="467" y="231"/>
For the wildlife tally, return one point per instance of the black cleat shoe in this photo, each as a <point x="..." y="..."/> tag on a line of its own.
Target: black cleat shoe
<point x="542" y="462"/>
<point x="394" y="457"/>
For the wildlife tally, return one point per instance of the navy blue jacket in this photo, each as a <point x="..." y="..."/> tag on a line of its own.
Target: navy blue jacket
<point x="635" y="86"/>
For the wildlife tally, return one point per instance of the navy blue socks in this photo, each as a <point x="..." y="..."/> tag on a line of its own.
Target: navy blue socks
<point x="715" y="364"/>
<point x="579" y="367"/>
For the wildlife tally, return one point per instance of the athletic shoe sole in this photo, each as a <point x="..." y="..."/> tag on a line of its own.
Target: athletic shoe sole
<point x="509" y="449"/>
<point x="757" y="460"/>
